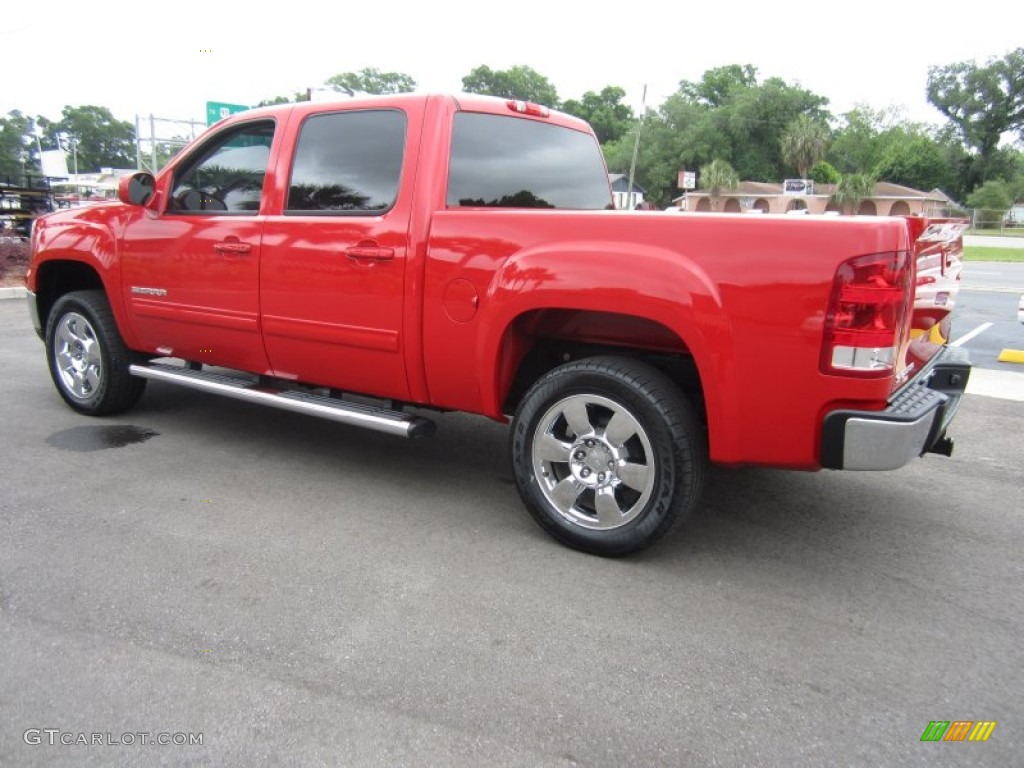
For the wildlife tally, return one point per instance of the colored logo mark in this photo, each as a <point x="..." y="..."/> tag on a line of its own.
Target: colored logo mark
<point x="958" y="730"/>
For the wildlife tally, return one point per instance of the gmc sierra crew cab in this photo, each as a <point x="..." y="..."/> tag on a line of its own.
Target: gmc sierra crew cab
<point x="375" y="260"/>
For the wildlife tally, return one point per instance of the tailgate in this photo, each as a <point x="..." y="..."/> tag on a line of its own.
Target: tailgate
<point x="938" y="251"/>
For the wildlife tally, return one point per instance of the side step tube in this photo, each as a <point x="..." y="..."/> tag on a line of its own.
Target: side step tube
<point x="356" y="414"/>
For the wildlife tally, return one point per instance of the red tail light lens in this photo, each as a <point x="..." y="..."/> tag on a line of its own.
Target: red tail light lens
<point x="866" y="315"/>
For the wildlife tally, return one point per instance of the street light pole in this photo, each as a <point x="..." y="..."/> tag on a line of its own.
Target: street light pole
<point x="630" y="195"/>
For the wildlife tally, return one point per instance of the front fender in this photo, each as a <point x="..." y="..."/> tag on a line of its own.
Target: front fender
<point x="86" y="237"/>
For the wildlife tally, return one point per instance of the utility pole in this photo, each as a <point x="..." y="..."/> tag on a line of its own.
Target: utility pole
<point x="39" y="145"/>
<point x="138" y="146"/>
<point x="152" y="133"/>
<point x="636" y="150"/>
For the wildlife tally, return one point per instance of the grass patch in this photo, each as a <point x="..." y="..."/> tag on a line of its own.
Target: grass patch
<point x="1015" y="232"/>
<point x="981" y="253"/>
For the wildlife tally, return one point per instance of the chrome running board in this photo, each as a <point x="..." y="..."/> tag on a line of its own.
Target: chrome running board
<point x="356" y="414"/>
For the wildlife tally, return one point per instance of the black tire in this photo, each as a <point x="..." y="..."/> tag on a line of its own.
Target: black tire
<point x="631" y="468"/>
<point x="87" y="357"/>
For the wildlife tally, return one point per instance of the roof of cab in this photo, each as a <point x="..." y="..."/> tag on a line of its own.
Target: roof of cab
<point x="468" y="102"/>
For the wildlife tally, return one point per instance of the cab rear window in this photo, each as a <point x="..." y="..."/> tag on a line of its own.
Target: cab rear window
<point x="512" y="162"/>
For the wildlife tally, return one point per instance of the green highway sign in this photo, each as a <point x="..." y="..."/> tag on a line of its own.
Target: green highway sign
<point x="217" y="111"/>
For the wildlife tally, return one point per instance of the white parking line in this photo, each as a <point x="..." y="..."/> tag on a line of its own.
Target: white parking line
<point x="964" y="339"/>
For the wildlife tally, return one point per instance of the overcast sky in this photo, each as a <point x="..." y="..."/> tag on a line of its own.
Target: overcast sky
<point x="170" y="58"/>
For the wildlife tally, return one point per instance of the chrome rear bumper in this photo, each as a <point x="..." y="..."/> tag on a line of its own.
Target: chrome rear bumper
<point x="913" y="423"/>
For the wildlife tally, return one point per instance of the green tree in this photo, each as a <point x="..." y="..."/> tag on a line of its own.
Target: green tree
<point x="717" y="176"/>
<point x="101" y="141"/>
<point x="803" y="144"/>
<point x="16" y="147"/>
<point x="372" y="81"/>
<point x="726" y="115"/>
<point x="852" y="190"/>
<point x="983" y="102"/>
<point x="295" y="98"/>
<point x="718" y="86"/>
<point x="1017" y="189"/>
<point x="519" y="82"/>
<point x="860" y="141"/>
<point x="658" y="159"/>
<point x="752" y="120"/>
<point x="915" y="161"/>
<point x="605" y="112"/>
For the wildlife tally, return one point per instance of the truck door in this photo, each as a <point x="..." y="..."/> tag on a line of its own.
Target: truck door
<point x="191" y="272"/>
<point x="333" y="272"/>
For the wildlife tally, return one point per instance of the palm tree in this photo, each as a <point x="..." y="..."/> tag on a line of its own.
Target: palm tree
<point x="853" y="189"/>
<point x="803" y="143"/>
<point x="715" y="177"/>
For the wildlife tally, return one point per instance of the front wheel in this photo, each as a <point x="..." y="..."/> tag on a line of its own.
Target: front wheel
<point x="87" y="358"/>
<point x="607" y="455"/>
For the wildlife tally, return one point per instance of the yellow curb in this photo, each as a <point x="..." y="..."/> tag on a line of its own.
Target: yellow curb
<point x="1011" y="356"/>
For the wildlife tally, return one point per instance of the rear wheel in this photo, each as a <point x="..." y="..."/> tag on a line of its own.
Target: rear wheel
<point x="607" y="455"/>
<point x="87" y="358"/>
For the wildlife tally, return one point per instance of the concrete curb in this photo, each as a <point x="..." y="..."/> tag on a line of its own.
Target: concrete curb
<point x="988" y="382"/>
<point x="14" y="292"/>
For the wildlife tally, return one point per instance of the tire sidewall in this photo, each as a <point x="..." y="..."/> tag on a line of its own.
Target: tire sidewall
<point x="64" y="306"/>
<point x="659" y="511"/>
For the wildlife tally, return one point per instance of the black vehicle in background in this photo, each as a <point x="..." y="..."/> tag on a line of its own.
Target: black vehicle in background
<point x="20" y="205"/>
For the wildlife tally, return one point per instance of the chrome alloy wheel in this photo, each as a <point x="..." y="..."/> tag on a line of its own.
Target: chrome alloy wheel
<point x="77" y="356"/>
<point x="593" y="461"/>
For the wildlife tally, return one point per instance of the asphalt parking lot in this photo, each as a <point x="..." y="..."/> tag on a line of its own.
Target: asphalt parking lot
<point x="299" y="593"/>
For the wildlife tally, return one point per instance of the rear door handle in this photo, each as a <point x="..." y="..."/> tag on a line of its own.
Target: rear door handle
<point x="232" y="246"/>
<point x="370" y="253"/>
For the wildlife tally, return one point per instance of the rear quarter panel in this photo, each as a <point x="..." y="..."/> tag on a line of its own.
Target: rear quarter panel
<point x="746" y="296"/>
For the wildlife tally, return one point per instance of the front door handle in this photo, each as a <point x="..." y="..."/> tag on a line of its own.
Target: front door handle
<point x="232" y="246"/>
<point x="370" y="253"/>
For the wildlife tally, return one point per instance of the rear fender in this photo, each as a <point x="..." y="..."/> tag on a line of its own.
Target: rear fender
<point x="647" y="282"/>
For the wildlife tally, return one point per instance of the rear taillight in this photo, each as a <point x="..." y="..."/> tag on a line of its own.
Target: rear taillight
<point x="866" y="315"/>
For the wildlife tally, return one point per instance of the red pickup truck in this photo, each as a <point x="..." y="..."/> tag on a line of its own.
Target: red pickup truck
<point x="370" y="260"/>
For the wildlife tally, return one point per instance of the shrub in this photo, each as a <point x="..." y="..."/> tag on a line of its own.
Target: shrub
<point x="993" y="200"/>
<point x="13" y="259"/>
<point x="824" y="173"/>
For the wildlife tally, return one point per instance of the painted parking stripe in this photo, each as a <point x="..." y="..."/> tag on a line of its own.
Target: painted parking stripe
<point x="976" y="332"/>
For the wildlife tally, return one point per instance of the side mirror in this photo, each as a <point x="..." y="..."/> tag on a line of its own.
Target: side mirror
<point x="136" y="189"/>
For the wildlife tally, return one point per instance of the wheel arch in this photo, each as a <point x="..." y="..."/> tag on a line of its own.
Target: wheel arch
<point x="78" y="252"/>
<point x="56" y="277"/>
<point x="668" y="313"/>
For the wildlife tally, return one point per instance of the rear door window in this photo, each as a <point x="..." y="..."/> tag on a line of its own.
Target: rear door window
<point x="348" y="163"/>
